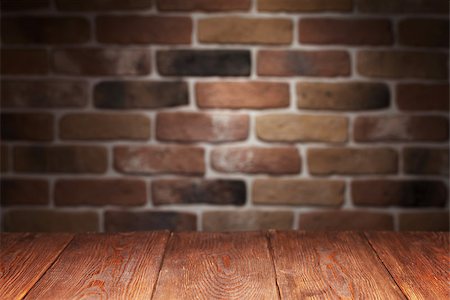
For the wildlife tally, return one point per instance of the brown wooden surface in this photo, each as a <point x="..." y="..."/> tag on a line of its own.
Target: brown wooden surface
<point x="111" y="266"/>
<point x="240" y="265"/>
<point x="217" y="266"/>
<point x="419" y="262"/>
<point x="24" y="257"/>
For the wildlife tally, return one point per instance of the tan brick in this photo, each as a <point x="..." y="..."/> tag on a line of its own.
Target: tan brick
<point x="351" y="96"/>
<point x="45" y="30"/>
<point x="143" y="30"/>
<point x="246" y="220"/>
<point x="423" y="97"/>
<point x="403" y="6"/>
<point x="204" y="5"/>
<point x="274" y="160"/>
<point x="102" y="5"/>
<point x="208" y="127"/>
<point x="124" y="192"/>
<point x="424" y="32"/>
<point x="345" y="31"/>
<point x="237" y="30"/>
<point x="43" y="93"/>
<point x="424" y="221"/>
<point x="346" y="220"/>
<point x="4" y="158"/>
<point x="426" y="161"/>
<point x="23" y="61"/>
<point x="119" y="221"/>
<point x="303" y="63"/>
<point x="412" y="193"/>
<point x="298" y="192"/>
<point x="60" y="159"/>
<point x="24" y="5"/>
<point x="159" y="159"/>
<point x="346" y="161"/>
<point x="402" y="64"/>
<point x="296" y="128"/>
<point x="24" y="191"/>
<point x="187" y="191"/>
<point x="27" y="126"/>
<point x="97" y="61"/>
<point x="400" y="128"/>
<point x="235" y="95"/>
<point x="39" y="220"/>
<point x="304" y="5"/>
<point x="94" y="126"/>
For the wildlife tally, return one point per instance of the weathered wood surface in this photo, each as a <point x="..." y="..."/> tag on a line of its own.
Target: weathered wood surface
<point x="419" y="262"/>
<point x="24" y="258"/>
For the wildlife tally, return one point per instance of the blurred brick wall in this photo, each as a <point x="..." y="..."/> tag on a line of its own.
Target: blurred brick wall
<point x="224" y="115"/>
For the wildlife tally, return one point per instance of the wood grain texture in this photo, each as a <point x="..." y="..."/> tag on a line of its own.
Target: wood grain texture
<point x="105" y="266"/>
<point x="329" y="265"/>
<point x="217" y="266"/>
<point x="419" y="262"/>
<point x="24" y="257"/>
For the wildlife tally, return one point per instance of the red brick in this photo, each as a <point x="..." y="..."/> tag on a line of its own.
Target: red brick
<point x="143" y="30"/>
<point x="402" y="64"/>
<point x="247" y="220"/>
<point x="4" y="158"/>
<point x="346" y="220"/>
<point x="27" y="126"/>
<point x="60" y="159"/>
<point x="424" y="221"/>
<point x="426" y="161"/>
<point x="303" y="63"/>
<point x="345" y="31"/>
<point x="124" y="192"/>
<point x="298" y="192"/>
<point x="300" y="128"/>
<point x="351" y="96"/>
<point x="94" y="126"/>
<point x="424" y="32"/>
<point x="403" y="6"/>
<point x="159" y="159"/>
<point x="237" y="30"/>
<point x="97" y="61"/>
<point x="234" y="95"/>
<point x="208" y="127"/>
<point x="204" y="5"/>
<point x="40" y="220"/>
<point x="23" y="61"/>
<point x="189" y="191"/>
<point x="400" y="128"/>
<point x="24" y="191"/>
<point x="275" y="160"/>
<point x="102" y="5"/>
<point x="24" y="5"/>
<point x="413" y="193"/>
<point x="305" y="5"/>
<point x="347" y="161"/>
<point x="423" y="97"/>
<point x="119" y="221"/>
<point x="43" y="93"/>
<point x="45" y="30"/>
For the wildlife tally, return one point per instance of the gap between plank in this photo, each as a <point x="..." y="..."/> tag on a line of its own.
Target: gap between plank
<point x="364" y="234"/>
<point x="272" y="258"/>
<point x="161" y="264"/>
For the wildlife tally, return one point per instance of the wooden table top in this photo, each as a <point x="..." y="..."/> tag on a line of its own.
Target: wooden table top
<point x="245" y="265"/>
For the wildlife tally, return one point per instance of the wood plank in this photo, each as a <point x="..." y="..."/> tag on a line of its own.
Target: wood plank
<point x="104" y="266"/>
<point x="418" y="261"/>
<point x="329" y="265"/>
<point x="217" y="266"/>
<point x="24" y="258"/>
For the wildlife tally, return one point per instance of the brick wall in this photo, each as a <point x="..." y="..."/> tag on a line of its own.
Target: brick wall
<point x="224" y="115"/>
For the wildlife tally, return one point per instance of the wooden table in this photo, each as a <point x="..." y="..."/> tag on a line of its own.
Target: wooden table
<point x="246" y="265"/>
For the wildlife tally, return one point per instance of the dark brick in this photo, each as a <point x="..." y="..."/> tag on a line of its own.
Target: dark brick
<point x="426" y="161"/>
<point x="149" y="220"/>
<point x="103" y="5"/>
<point x="4" y="158"/>
<point x="24" y="5"/>
<point x="187" y="191"/>
<point x="24" y="191"/>
<point x="413" y="193"/>
<point x="24" y="61"/>
<point x="424" y="32"/>
<point x="346" y="220"/>
<point x="204" y="5"/>
<point x="423" y="97"/>
<point x="140" y="94"/>
<point x="304" y="5"/>
<point x="204" y="62"/>
<point x="27" y="126"/>
<point x="424" y="221"/>
<point x="403" y="6"/>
